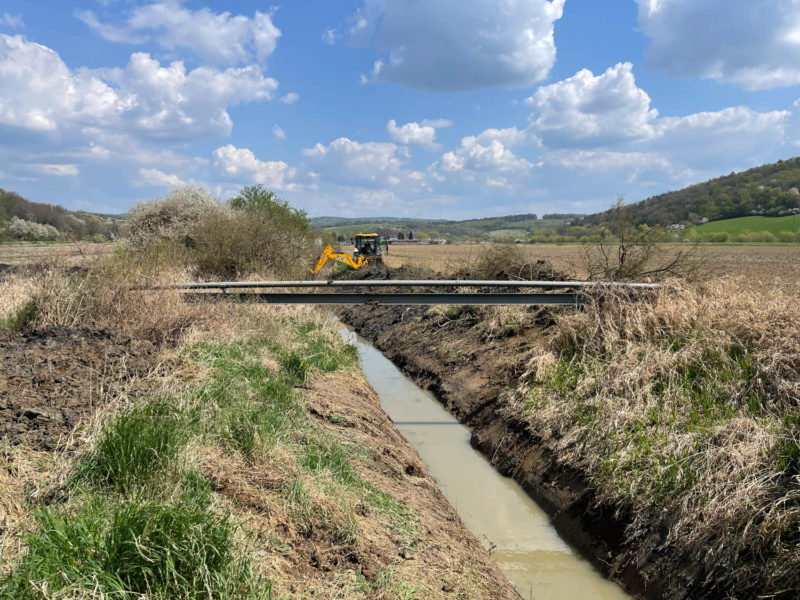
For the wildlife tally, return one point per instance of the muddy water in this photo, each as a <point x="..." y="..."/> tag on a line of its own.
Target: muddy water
<point x="525" y="545"/>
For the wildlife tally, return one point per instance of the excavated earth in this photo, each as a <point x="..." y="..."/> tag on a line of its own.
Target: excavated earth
<point x="51" y="379"/>
<point x="468" y="370"/>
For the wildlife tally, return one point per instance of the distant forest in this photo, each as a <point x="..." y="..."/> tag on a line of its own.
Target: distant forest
<point x="21" y="219"/>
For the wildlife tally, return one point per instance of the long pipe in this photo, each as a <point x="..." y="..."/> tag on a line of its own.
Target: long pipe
<point x="404" y="283"/>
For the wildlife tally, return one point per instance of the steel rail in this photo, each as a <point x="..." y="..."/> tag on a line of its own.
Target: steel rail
<point x="406" y="283"/>
<point x="557" y="299"/>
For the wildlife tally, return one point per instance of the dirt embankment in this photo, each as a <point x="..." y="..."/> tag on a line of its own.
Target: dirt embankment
<point x="468" y="366"/>
<point x="53" y="380"/>
<point x="449" y="561"/>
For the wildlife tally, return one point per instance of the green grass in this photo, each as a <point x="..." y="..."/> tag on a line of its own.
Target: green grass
<point x="21" y="318"/>
<point x="139" y="443"/>
<point x="135" y="521"/>
<point x="138" y="544"/>
<point x="774" y="225"/>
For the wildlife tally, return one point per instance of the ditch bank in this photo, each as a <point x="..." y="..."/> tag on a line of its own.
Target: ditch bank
<point x="468" y="363"/>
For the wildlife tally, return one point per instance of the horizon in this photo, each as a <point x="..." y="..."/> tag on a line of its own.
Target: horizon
<point x="359" y="109"/>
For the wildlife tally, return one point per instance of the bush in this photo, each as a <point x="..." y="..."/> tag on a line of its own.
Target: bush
<point x="170" y="218"/>
<point x="261" y="233"/>
<point x="786" y="236"/>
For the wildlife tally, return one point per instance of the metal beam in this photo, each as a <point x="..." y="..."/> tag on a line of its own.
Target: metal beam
<point x="558" y="299"/>
<point x="406" y="283"/>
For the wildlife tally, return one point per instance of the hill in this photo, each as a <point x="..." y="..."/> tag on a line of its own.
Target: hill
<point x="768" y="190"/>
<point x="488" y="228"/>
<point x="21" y="219"/>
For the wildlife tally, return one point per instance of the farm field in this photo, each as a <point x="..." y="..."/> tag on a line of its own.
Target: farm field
<point x="68" y="254"/>
<point x="769" y="266"/>
<point x="774" y="225"/>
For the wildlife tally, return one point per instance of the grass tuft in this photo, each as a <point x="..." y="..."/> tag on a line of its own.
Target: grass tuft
<point x="138" y="444"/>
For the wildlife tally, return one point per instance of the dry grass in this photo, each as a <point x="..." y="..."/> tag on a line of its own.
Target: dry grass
<point x="764" y="266"/>
<point x="72" y="254"/>
<point x="684" y="410"/>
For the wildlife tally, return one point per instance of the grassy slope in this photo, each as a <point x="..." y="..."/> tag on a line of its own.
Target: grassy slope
<point x="225" y="483"/>
<point x="774" y="225"/>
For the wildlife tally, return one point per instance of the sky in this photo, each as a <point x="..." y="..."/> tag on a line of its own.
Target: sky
<point x="416" y="108"/>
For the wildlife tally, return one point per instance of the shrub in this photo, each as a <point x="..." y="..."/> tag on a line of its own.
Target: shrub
<point x="786" y="236"/>
<point x="261" y="233"/>
<point x="169" y="218"/>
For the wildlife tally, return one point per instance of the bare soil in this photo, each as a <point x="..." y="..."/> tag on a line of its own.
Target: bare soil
<point x="53" y="378"/>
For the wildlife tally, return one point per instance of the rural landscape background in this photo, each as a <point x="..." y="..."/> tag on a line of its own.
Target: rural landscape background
<point x="641" y="155"/>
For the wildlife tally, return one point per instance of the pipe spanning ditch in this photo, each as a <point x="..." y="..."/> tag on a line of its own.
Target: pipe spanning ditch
<point x="575" y="297"/>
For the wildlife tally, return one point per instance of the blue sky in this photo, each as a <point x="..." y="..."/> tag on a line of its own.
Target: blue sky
<point x="420" y="108"/>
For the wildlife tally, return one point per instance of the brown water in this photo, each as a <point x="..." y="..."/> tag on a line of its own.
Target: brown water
<point x="495" y="508"/>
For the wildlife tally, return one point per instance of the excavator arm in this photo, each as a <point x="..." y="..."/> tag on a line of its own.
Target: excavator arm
<point x="342" y="258"/>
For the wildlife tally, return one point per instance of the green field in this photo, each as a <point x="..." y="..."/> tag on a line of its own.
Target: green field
<point x="734" y="226"/>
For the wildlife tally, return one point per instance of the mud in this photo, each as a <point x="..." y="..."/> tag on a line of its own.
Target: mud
<point x="468" y="370"/>
<point x="51" y="379"/>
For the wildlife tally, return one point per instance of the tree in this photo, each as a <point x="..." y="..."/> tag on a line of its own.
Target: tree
<point x="400" y="236"/>
<point x="258" y="199"/>
<point x="411" y="235"/>
<point x="625" y="251"/>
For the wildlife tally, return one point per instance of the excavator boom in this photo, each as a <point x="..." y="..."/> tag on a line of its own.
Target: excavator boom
<point x="328" y="253"/>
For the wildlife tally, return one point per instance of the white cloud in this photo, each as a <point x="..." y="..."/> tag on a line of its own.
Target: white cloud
<point x="417" y="134"/>
<point x="241" y="162"/>
<point x="587" y="110"/>
<point x="58" y="170"/>
<point x="219" y="38"/>
<point x="629" y="166"/>
<point x="484" y="152"/>
<point x="39" y="93"/>
<point x="278" y="132"/>
<point x="348" y="161"/>
<point x="290" y="98"/>
<point x="329" y="36"/>
<point x="755" y="45"/>
<point x="442" y="45"/>
<point x="11" y="21"/>
<point x="157" y="178"/>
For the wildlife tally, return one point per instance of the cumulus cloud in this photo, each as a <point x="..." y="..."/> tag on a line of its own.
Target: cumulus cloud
<point x="755" y="45"/>
<point x="278" y="132"/>
<point x="242" y="163"/>
<point x="484" y="152"/>
<point x="347" y="161"/>
<point x="39" y="93"/>
<point x="290" y="98"/>
<point x="417" y="134"/>
<point x="219" y="38"/>
<point x="587" y="110"/>
<point x="441" y="45"/>
<point x="158" y="178"/>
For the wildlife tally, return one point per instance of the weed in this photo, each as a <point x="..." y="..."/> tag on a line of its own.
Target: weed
<point x="22" y="318"/>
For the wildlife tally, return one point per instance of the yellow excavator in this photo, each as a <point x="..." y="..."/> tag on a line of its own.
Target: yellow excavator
<point x="367" y="248"/>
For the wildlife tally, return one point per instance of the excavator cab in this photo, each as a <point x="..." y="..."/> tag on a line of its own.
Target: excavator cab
<point x="371" y="246"/>
<point x="368" y="247"/>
